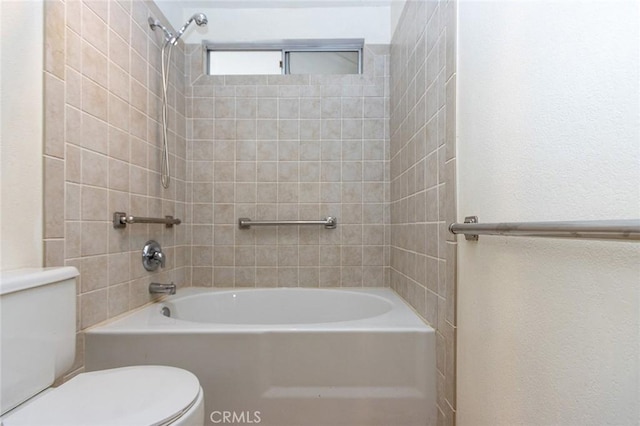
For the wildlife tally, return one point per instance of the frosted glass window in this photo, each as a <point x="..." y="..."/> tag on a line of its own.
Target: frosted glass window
<point x="255" y="62"/>
<point x="323" y="62"/>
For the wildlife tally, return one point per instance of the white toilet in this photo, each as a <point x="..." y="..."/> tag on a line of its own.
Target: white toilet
<point x="37" y="332"/>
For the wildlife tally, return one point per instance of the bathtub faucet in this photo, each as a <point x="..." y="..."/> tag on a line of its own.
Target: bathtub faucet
<point x="159" y="288"/>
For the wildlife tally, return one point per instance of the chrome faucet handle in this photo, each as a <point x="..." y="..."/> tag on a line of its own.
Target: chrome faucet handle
<point x="159" y="257"/>
<point x="152" y="256"/>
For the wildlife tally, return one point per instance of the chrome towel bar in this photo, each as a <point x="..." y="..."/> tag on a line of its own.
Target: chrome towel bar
<point x="121" y="220"/>
<point x="591" y="229"/>
<point x="246" y="223"/>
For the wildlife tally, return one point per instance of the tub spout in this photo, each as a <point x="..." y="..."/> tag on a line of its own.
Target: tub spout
<point x="159" y="288"/>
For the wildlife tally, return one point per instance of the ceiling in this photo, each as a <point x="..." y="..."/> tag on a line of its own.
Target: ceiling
<point x="254" y="20"/>
<point x="247" y="4"/>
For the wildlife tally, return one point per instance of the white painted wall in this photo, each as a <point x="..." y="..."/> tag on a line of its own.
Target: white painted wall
<point x="395" y="12"/>
<point x="257" y="22"/>
<point x="548" y="129"/>
<point x="21" y="66"/>
<point x="231" y="25"/>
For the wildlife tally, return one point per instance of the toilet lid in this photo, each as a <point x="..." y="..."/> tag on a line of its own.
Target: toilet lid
<point x="143" y="395"/>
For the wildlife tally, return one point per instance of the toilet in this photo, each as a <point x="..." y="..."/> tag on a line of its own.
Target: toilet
<point x="37" y="332"/>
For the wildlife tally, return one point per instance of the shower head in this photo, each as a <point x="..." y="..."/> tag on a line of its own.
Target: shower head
<point x="201" y="20"/>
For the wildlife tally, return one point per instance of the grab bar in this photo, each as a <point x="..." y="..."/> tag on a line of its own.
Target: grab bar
<point x="246" y="223"/>
<point x="121" y="220"/>
<point x="590" y="229"/>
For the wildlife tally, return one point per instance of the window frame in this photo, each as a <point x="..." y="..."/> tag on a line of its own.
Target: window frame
<point x="286" y="46"/>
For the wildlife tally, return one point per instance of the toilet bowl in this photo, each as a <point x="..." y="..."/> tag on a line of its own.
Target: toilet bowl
<point x="38" y="345"/>
<point x="143" y="395"/>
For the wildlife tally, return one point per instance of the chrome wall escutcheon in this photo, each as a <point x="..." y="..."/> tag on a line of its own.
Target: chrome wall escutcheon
<point x="152" y="256"/>
<point x="471" y="219"/>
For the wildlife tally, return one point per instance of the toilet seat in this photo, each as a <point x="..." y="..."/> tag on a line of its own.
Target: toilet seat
<point x="141" y="395"/>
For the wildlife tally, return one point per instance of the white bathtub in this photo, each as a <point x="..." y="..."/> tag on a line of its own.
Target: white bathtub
<point x="285" y="356"/>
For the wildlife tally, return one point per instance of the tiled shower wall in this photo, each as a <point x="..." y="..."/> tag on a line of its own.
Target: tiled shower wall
<point x="289" y="147"/>
<point x="423" y="252"/>
<point x="102" y="153"/>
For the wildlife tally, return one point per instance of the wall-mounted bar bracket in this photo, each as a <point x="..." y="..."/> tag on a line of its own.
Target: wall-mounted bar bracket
<point x="471" y="237"/>
<point x="121" y="220"/>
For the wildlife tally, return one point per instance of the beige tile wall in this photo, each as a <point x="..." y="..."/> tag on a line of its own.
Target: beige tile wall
<point x="289" y="147"/>
<point x="423" y="252"/>
<point x="102" y="152"/>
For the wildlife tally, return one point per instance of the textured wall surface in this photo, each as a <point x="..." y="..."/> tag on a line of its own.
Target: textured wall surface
<point x="423" y="253"/>
<point x="549" y="129"/>
<point x="21" y="185"/>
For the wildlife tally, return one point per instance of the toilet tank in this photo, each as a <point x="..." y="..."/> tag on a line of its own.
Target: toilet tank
<point x="37" y="330"/>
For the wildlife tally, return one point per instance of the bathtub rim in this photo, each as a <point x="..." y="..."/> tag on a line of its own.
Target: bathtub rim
<point x="147" y="319"/>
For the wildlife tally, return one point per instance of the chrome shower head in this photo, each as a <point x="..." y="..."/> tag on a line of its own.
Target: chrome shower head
<point x="201" y="20"/>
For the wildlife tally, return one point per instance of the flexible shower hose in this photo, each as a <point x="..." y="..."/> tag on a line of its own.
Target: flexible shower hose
<point x="166" y="65"/>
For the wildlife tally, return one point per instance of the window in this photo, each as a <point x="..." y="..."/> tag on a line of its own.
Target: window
<point x="242" y="62"/>
<point x="339" y="62"/>
<point x="286" y="57"/>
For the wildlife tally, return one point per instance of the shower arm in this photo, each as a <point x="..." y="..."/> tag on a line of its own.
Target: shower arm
<point x="154" y="23"/>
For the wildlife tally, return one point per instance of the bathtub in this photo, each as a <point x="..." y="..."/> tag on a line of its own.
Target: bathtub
<point x="285" y="356"/>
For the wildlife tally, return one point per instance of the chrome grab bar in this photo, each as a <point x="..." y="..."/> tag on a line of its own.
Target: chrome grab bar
<point x="121" y="220"/>
<point x="246" y="223"/>
<point x="590" y="229"/>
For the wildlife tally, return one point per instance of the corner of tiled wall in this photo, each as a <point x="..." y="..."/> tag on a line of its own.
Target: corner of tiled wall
<point x="102" y="153"/>
<point x="423" y="194"/>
